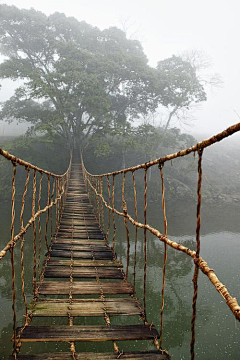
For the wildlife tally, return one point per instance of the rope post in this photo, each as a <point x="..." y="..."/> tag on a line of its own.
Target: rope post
<point x="113" y="214"/>
<point x="196" y="270"/>
<point x="12" y="258"/>
<point x="125" y="223"/>
<point x="34" y="234"/>
<point x="165" y="253"/>
<point x="136" y="230"/>
<point x="48" y="211"/>
<point x="109" y="211"/>
<point x="145" y="240"/>
<point x="39" y="224"/>
<point x="22" y="241"/>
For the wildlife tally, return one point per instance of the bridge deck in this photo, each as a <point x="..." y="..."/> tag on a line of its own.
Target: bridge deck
<point x="81" y="263"/>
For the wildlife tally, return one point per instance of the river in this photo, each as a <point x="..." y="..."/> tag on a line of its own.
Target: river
<point x="217" y="331"/>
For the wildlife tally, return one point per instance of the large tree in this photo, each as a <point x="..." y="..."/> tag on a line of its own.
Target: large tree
<point x="76" y="79"/>
<point x="181" y="84"/>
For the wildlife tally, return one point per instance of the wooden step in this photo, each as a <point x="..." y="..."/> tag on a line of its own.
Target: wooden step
<point x="80" y="236"/>
<point x="88" y="333"/>
<point x="85" y="307"/>
<point x="79" y="242"/>
<point x="107" y="255"/>
<point x="80" y="272"/>
<point x="136" y="355"/>
<point x="85" y="288"/>
<point x="87" y="263"/>
<point x="80" y="247"/>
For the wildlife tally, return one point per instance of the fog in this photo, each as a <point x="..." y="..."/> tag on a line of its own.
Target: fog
<point x="168" y="27"/>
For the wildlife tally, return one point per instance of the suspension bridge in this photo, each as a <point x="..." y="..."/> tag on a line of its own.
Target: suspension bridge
<point x="81" y="276"/>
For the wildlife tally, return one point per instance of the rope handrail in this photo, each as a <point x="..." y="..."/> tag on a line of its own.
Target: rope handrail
<point x="201" y="145"/>
<point x="19" y="161"/>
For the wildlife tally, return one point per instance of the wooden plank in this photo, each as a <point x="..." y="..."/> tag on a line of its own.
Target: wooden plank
<point x="79" y="242"/>
<point x="80" y="247"/>
<point x="85" y="307"/>
<point x="147" y="355"/>
<point x="88" y="333"/>
<point x="97" y="263"/>
<point x="83" y="254"/>
<point x="80" y="236"/>
<point x="82" y="272"/>
<point x="85" y="288"/>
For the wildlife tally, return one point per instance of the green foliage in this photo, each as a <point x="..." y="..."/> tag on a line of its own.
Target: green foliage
<point x="76" y="78"/>
<point x="181" y="85"/>
<point x="41" y="151"/>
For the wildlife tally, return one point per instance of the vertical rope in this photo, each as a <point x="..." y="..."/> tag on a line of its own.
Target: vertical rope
<point x="22" y="242"/>
<point x="113" y="214"/>
<point x="98" y="201"/>
<point x="196" y="270"/>
<point x="109" y="211"/>
<point x="39" y="224"/>
<point x="12" y="258"/>
<point x="136" y="229"/>
<point x="145" y="240"/>
<point x="51" y="211"/>
<point x="125" y="223"/>
<point x="34" y="234"/>
<point x="102" y="210"/>
<point x="48" y="211"/>
<point x="165" y="252"/>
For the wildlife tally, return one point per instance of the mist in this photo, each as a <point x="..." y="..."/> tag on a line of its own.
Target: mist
<point x="121" y="85"/>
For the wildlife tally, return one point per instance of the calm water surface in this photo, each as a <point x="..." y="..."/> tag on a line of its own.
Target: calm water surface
<point x="217" y="332"/>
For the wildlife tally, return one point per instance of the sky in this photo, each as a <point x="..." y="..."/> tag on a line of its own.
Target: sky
<point x="167" y="27"/>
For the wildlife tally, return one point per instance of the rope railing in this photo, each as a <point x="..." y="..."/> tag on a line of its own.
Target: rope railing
<point x="108" y="180"/>
<point x="56" y="189"/>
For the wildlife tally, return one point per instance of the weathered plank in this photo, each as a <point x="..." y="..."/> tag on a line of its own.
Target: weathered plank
<point x="80" y="247"/>
<point x="83" y="254"/>
<point x="85" y="288"/>
<point x="85" y="307"/>
<point x="147" y="355"/>
<point x="88" y="333"/>
<point x="79" y="242"/>
<point x="97" y="263"/>
<point x="82" y="272"/>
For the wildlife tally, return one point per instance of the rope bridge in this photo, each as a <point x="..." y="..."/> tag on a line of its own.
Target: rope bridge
<point x="75" y="232"/>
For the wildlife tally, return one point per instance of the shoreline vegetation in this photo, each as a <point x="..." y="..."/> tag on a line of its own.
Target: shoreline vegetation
<point x="221" y="166"/>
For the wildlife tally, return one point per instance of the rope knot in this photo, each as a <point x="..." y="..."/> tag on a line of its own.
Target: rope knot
<point x="160" y="164"/>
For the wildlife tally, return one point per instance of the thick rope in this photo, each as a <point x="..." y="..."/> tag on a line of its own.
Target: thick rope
<point x="196" y="270"/>
<point x="126" y="225"/>
<point x="165" y="254"/>
<point x="145" y="243"/>
<point x="136" y="230"/>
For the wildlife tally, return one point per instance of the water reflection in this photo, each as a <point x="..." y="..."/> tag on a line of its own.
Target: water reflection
<point x="216" y="330"/>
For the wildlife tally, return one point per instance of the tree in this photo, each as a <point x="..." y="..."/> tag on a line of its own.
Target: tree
<point x="76" y="78"/>
<point x="181" y="86"/>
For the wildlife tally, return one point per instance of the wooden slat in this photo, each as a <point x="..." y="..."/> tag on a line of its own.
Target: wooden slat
<point x="107" y="255"/>
<point x="85" y="272"/>
<point x="88" y="333"/>
<point x="147" y="355"/>
<point x="85" y="307"/>
<point x="79" y="242"/>
<point x="80" y="236"/>
<point x="80" y="247"/>
<point x="97" y="263"/>
<point x="85" y="288"/>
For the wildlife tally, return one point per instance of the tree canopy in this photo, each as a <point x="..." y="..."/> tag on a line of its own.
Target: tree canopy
<point x="78" y="80"/>
<point x="181" y="85"/>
